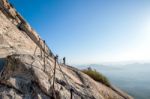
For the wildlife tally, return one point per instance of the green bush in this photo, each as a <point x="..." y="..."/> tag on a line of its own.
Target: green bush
<point x="96" y="76"/>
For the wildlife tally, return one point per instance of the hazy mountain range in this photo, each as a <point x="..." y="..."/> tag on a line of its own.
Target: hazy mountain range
<point x="132" y="78"/>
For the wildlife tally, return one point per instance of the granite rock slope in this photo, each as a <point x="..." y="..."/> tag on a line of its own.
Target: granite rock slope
<point x="23" y="76"/>
<point x="27" y="66"/>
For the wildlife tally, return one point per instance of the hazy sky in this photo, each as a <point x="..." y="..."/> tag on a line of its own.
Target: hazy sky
<point x="91" y="31"/>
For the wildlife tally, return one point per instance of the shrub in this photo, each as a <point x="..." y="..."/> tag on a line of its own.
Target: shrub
<point x="96" y="76"/>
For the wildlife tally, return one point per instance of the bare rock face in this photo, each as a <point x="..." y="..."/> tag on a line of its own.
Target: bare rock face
<point x="23" y="77"/>
<point x="27" y="66"/>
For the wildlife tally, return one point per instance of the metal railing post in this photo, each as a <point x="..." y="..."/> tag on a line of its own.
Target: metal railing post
<point x="71" y="93"/>
<point x="44" y="55"/>
<point x="56" y="57"/>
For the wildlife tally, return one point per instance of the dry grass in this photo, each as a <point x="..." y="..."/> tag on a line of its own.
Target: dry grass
<point x="97" y="76"/>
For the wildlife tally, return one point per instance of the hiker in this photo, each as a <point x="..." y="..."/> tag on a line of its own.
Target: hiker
<point x="64" y="60"/>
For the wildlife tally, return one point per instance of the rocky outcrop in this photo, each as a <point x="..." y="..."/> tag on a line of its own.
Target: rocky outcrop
<point x="23" y="76"/>
<point x="17" y="20"/>
<point x="27" y="66"/>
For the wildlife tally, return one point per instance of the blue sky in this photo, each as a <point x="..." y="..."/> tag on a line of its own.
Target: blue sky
<point x="91" y="31"/>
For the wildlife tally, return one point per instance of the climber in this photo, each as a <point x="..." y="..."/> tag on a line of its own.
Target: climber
<point x="64" y="60"/>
